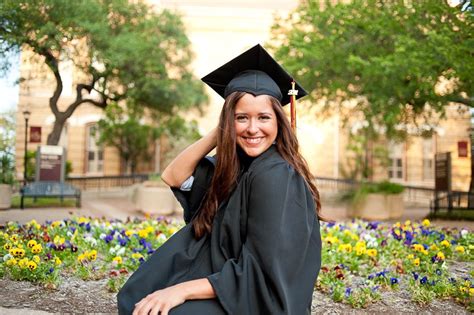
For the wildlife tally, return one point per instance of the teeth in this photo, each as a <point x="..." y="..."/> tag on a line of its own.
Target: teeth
<point x="253" y="140"/>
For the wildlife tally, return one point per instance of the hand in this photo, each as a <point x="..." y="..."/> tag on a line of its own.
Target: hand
<point x="160" y="302"/>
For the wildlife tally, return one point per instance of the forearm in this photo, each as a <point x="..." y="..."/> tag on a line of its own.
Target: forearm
<point x="184" y="164"/>
<point x="197" y="289"/>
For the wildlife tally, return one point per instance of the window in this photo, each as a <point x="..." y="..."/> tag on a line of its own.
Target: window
<point x="94" y="152"/>
<point x="428" y="165"/>
<point x="395" y="167"/>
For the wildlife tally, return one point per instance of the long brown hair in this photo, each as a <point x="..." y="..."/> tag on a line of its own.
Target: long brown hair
<point x="228" y="165"/>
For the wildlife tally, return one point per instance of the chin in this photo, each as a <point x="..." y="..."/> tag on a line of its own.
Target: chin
<point x="254" y="152"/>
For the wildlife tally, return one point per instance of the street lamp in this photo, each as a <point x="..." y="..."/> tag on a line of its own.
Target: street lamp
<point x="26" y="114"/>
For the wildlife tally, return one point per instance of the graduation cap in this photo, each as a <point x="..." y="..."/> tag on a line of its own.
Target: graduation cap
<point x="257" y="73"/>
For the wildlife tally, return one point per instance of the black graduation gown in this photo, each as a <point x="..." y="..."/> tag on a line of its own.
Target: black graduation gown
<point x="262" y="257"/>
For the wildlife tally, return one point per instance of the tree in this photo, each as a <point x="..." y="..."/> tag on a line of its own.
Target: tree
<point x="125" y="50"/>
<point x="123" y="129"/>
<point x="7" y="148"/>
<point x="401" y="62"/>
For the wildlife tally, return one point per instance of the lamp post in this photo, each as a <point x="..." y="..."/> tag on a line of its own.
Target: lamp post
<point x="26" y="114"/>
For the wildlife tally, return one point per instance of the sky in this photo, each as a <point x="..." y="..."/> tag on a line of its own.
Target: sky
<point x="9" y="90"/>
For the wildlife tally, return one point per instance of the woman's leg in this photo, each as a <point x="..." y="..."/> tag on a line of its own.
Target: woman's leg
<point x="199" y="307"/>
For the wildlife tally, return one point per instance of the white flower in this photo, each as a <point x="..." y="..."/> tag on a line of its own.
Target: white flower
<point x="102" y="236"/>
<point x="112" y="251"/>
<point x="464" y="233"/>
<point x="162" y="237"/>
<point x="7" y="257"/>
<point x="121" y="251"/>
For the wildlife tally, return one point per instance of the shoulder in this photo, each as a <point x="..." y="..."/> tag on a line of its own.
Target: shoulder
<point x="270" y="168"/>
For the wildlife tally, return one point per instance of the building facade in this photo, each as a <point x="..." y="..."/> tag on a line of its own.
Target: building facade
<point x="220" y="30"/>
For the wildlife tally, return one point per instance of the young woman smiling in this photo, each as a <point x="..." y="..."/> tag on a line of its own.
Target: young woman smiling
<point x="252" y="242"/>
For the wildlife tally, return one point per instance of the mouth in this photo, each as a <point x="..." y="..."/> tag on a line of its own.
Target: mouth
<point x="253" y="140"/>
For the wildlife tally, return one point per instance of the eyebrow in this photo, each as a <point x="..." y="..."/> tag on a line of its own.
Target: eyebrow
<point x="261" y="113"/>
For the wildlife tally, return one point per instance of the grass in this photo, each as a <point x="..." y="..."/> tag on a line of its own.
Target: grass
<point x="42" y="202"/>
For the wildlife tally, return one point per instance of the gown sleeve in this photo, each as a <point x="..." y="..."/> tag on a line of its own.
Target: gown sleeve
<point x="191" y="199"/>
<point x="281" y="256"/>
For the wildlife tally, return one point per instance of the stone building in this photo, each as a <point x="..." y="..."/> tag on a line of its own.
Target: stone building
<point x="219" y="30"/>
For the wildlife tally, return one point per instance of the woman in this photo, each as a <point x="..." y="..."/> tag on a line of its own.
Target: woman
<point x="252" y="243"/>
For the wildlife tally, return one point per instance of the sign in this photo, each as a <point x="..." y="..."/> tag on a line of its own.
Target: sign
<point x="50" y="163"/>
<point x="462" y="148"/>
<point x="443" y="171"/>
<point x="35" y="134"/>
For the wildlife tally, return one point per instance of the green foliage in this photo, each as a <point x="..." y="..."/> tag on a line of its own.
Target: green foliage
<point x="359" y="193"/>
<point x="122" y="129"/>
<point x="391" y="58"/>
<point x="123" y="50"/>
<point x="7" y="148"/>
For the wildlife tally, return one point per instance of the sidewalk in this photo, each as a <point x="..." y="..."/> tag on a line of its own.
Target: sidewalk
<point x="117" y="205"/>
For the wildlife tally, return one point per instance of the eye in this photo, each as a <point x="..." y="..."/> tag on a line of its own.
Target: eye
<point x="241" y="118"/>
<point x="265" y="117"/>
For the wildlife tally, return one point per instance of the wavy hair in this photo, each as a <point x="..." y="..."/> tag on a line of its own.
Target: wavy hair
<point x="228" y="165"/>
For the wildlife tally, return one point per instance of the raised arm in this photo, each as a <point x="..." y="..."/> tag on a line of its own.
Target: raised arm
<point x="184" y="164"/>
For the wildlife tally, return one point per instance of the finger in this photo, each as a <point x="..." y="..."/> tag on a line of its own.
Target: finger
<point x="156" y="309"/>
<point x="165" y="309"/>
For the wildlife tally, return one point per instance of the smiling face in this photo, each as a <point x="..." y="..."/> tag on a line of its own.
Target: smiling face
<point x="256" y="125"/>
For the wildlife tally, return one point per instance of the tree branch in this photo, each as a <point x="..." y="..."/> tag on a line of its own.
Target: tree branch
<point x="463" y="100"/>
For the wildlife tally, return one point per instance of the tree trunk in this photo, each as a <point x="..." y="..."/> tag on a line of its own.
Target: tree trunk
<point x="55" y="135"/>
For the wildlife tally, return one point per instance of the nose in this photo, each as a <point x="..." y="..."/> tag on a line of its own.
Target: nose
<point x="252" y="127"/>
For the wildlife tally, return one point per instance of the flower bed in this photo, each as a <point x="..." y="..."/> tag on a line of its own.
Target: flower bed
<point x="361" y="260"/>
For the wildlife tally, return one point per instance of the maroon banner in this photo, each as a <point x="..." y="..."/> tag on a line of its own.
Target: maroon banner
<point x="35" y="134"/>
<point x="462" y="148"/>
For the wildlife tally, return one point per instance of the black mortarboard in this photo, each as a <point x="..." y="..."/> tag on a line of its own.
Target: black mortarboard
<point x="255" y="72"/>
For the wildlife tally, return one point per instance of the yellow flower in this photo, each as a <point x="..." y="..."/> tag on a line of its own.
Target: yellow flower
<point x="57" y="261"/>
<point x="31" y="243"/>
<point x="83" y="220"/>
<point x="11" y="262"/>
<point x="143" y="233"/>
<point x="411" y="256"/>
<point x="345" y="248"/>
<point x="434" y="247"/>
<point x="118" y="260"/>
<point x="372" y="252"/>
<point x="347" y="232"/>
<point x="463" y="289"/>
<point x="7" y="246"/>
<point x="360" y="251"/>
<point x="59" y="240"/>
<point x="129" y="233"/>
<point x="32" y="265"/>
<point x="173" y="230"/>
<point x="17" y="252"/>
<point x="418" y="247"/>
<point x="55" y="224"/>
<point x="14" y="238"/>
<point x="424" y="252"/>
<point x="23" y="263"/>
<point x="36" y="259"/>
<point x="426" y="223"/>
<point x="445" y="243"/>
<point x="440" y="255"/>
<point x="407" y="222"/>
<point x="81" y="257"/>
<point x="460" y="249"/>
<point x="416" y="261"/>
<point x="331" y="239"/>
<point x="471" y="291"/>
<point x="37" y="249"/>
<point x="137" y="256"/>
<point x="149" y="229"/>
<point x="92" y="255"/>
<point x="397" y="224"/>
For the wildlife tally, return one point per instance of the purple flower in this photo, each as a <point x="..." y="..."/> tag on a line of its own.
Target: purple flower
<point x="438" y="272"/>
<point x="370" y="277"/>
<point x="108" y="238"/>
<point x="122" y="241"/>
<point x="393" y="281"/>
<point x="372" y="225"/>
<point x="375" y="288"/>
<point x="452" y="280"/>
<point x="150" y="251"/>
<point x="423" y="280"/>
<point x="433" y="282"/>
<point x="381" y="273"/>
<point x="348" y="292"/>
<point x="51" y="270"/>
<point x="383" y="243"/>
<point x="453" y="242"/>
<point x="88" y="227"/>
<point x="415" y="275"/>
